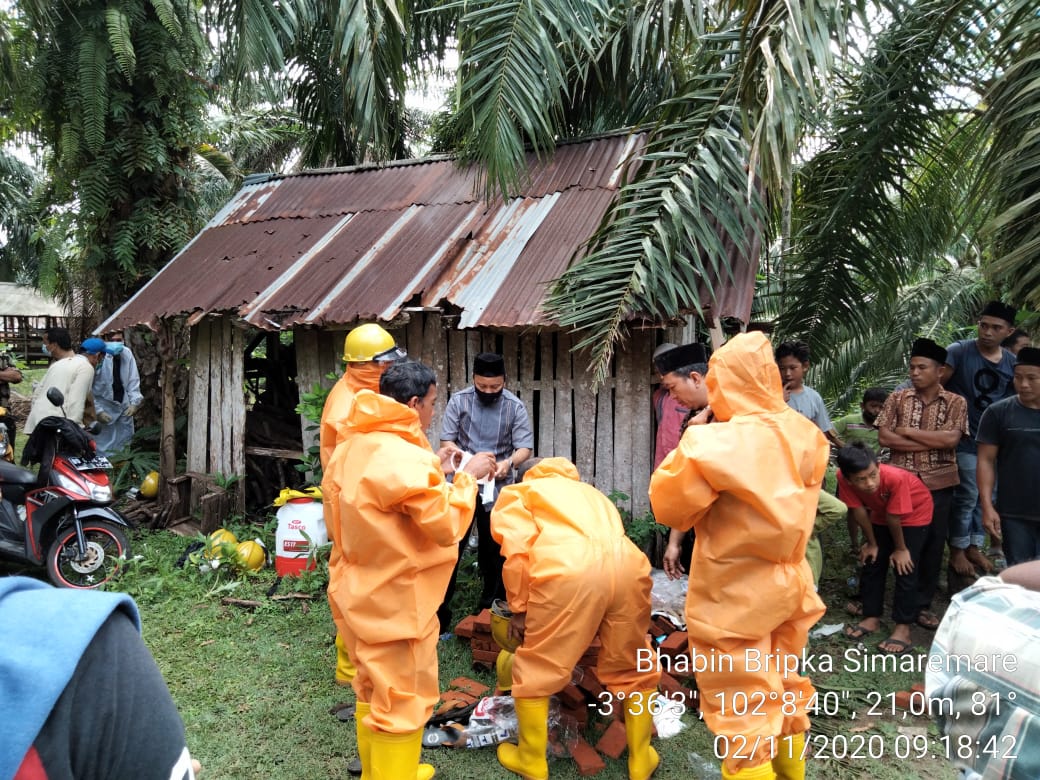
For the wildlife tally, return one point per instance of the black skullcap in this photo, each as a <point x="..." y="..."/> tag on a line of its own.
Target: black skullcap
<point x="680" y="357"/>
<point x="1029" y="356"/>
<point x="928" y="349"/>
<point x="1001" y="311"/>
<point x="489" y="364"/>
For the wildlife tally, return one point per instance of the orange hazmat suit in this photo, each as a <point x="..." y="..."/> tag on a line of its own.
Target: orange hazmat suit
<point x="361" y="376"/>
<point x="748" y="483"/>
<point x="398" y="524"/>
<point x="364" y="376"/>
<point x="571" y="568"/>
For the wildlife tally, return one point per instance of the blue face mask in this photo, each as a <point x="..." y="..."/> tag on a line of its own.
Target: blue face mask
<point x="113" y="347"/>
<point x="45" y="350"/>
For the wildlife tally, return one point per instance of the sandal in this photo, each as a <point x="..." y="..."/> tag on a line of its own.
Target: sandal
<point x="901" y="646"/>
<point x="927" y="620"/>
<point x="857" y="632"/>
<point x="854" y="608"/>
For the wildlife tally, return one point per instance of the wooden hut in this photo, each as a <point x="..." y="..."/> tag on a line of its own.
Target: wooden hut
<point x="411" y="246"/>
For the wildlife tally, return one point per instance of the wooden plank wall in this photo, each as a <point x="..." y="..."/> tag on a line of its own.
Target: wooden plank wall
<point x="216" y="401"/>
<point x="608" y="434"/>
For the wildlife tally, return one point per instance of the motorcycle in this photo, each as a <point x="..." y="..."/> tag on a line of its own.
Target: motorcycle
<point x="61" y="516"/>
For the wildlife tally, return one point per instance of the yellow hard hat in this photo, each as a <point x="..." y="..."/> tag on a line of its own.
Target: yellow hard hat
<point x="251" y="555"/>
<point x="370" y="342"/>
<point x="217" y="539"/>
<point x="500" y="616"/>
<point x="150" y="485"/>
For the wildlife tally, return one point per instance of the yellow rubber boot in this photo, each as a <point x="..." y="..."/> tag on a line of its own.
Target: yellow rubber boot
<point x="364" y="738"/>
<point x="789" y="763"/>
<point x="528" y="758"/>
<point x="639" y="723"/>
<point x="345" y="669"/>
<point x="504" y="672"/>
<point x="760" y="772"/>
<point x="396" y="757"/>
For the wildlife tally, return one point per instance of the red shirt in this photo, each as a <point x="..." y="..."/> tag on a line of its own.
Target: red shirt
<point x="669" y="415"/>
<point x="900" y="493"/>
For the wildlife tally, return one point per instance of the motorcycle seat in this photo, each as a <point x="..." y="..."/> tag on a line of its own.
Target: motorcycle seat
<point x="16" y="475"/>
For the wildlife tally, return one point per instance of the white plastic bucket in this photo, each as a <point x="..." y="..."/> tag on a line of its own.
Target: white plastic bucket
<point x="297" y="517"/>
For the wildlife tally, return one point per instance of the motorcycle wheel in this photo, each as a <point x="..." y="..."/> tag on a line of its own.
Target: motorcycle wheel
<point x="107" y="547"/>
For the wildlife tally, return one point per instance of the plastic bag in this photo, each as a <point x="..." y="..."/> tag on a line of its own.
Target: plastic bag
<point x="668" y="598"/>
<point x="494" y="721"/>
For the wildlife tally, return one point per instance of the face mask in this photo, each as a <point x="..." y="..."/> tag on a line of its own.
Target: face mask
<point x="367" y="374"/>
<point x="487" y="398"/>
<point x="45" y="350"/>
<point x="113" y="347"/>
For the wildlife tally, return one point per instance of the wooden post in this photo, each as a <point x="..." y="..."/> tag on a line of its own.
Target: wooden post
<point x="605" y="443"/>
<point x="528" y="346"/>
<point x="546" y="399"/>
<point x="435" y="349"/>
<point x="584" y="417"/>
<point x="564" y="400"/>
<point x="198" y="397"/>
<point x="237" y="394"/>
<point x="168" y="436"/>
<point x="624" y="420"/>
<point x="641" y="347"/>
<point x="456" y="360"/>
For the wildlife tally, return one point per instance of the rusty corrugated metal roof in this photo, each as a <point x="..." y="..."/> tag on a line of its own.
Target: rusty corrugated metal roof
<point x="334" y="247"/>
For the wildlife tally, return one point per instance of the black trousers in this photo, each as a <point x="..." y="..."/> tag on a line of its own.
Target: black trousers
<point x="904" y="599"/>
<point x="489" y="562"/>
<point x="933" y="548"/>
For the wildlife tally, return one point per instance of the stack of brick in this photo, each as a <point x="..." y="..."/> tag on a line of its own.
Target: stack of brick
<point x="585" y="693"/>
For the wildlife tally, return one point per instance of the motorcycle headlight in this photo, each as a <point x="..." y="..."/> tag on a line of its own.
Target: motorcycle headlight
<point x="101" y="493"/>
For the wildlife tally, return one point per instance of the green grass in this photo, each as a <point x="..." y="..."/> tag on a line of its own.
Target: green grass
<point x="256" y="691"/>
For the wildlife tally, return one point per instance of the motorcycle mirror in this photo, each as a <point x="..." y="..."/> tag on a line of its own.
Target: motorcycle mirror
<point x="55" y="396"/>
<point x="94" y="428"/>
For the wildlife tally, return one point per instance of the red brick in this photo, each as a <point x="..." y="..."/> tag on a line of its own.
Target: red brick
<point x="572" y="696"/>
<point x="902" y="700"/>
<point x="482" y="621"/>
<point x="917" y="688"/>
<point x="676" y="642"/>
<point x="579" y="715"/>
<point x="659" y="627"/>
<point x="467" y="685"/>
<point x="464" y="627"/>
<point x="588" y="760"/>
<point x="591" y="683"/>
<point x="613" y="742"/>
<point x="485" y="656"/>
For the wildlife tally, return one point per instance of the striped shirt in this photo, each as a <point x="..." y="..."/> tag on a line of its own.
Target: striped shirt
<point x="984" y="661"/>
<point x="947" y="412"/>
<point x="501" y="427"/>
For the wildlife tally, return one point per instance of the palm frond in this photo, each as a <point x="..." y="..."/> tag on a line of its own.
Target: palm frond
<point x="120" y="41"/>
<point x="93" y="90"/>
<point x="370" y="48"/>
<point x="1013" y="163"/>
<point x="513" y="78"/>
<point x="939" y="300"/>
<point x="681" y="217"/>
<point x="892" y="123"/>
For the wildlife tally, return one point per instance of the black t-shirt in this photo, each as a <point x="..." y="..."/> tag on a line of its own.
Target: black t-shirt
<point x="115" y="718"/>
<point x="1015" y="429"/>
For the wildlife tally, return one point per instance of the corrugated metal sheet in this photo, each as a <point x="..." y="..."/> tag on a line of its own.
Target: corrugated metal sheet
<point x="335" y="247"/>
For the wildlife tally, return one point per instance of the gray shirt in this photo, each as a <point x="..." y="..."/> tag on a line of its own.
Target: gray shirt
<point x="980" y="382"/>
<point x="809" y="404"/>
<point x="501" y="427"/>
